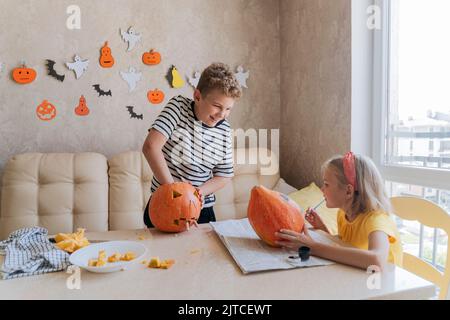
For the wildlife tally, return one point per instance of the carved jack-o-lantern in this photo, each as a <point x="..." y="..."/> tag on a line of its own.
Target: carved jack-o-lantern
<point x="24" y="75"/>
<point x="106" y="58"/>
<point x="175" y="207"/>
<point x="46" y="111"/>
<point x="155" y="96"/>
<point x="151" y="57"/>
<point x="269" y="211"/>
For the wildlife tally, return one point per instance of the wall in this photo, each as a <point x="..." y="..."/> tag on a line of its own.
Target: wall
<point x="315" y="86"/>
<point x="190" y="34"/>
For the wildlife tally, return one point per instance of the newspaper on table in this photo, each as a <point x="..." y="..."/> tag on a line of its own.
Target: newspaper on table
<point x="252" y="254"/>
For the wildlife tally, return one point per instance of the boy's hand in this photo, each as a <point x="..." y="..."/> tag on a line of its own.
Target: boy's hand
<point x="314" y="219"/>
<point x="199" y="195"/>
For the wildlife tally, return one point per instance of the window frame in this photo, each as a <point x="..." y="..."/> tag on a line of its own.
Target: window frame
<point x="429" y="177"/>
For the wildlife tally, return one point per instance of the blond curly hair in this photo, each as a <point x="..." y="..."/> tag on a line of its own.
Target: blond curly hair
<point x="219" y="76"/>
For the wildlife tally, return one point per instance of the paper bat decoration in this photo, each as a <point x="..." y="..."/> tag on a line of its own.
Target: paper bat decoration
<point x="101" y="92"/>
<point x="51" y="71"/>
<point x="242" y="76"/>
<point x="134" y="115"/>
<point x="194" y="81"/>
<point x="78" y="65"/>
<point x="131" y="37"/>
<point x="131" y="77"/>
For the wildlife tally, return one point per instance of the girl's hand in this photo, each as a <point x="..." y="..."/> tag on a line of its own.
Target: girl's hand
<point x="315" y="220"/>
<point x="294" y="240"/>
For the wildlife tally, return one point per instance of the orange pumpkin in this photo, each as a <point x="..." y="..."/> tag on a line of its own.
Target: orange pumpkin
<point x="24" y="75"/>
<point x="151" y="58"/>
<point x="269" y="211"/>
<point x="46" y="111"/>
<point x="82" y="109"/>
<point x="106" y="58"/>
<point x="155" y="96"/>
<point x="174" y="207"/>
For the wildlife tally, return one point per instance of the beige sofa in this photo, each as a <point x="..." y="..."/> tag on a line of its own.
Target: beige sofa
<point x="63" y="192"/>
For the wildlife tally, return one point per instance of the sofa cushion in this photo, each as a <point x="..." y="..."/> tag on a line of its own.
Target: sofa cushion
<point x="57" y="191"/>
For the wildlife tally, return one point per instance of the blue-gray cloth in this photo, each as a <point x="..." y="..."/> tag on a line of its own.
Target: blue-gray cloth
<point x="29" y="252"/>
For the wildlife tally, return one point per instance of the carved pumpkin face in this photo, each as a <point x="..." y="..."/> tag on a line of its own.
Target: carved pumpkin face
<point x="106" y="58"/>
<point x="151" y="57"/>
<point x="82" y="109"/>
<point x="269" y="211"/>
<point x="155" y="96"/>
<point x="174" y="207"/>
<point x="24" y="75"/>
<point x="46" y="111"/>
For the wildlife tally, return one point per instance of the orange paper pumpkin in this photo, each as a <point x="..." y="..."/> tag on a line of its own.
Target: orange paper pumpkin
<point x="82" y="109"/>
<point x="24" y="75"/>
<point x="106" y="58"/>
<point x="174" y="207"/>
<point x="155" y="96"/>
<point x="46" y="111"/>
<point x="269" y="211"/>
<point x="151" y="58"/>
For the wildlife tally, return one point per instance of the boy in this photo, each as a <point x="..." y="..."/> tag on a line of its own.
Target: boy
<point x="191" y="139"/>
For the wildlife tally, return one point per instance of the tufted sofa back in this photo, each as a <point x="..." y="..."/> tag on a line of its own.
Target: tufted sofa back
<point x="63" y="192"/>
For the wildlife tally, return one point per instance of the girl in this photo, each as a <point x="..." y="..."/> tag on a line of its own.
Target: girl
<point x="353" y="184"/>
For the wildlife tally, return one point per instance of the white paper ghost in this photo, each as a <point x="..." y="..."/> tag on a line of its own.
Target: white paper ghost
<point x="78" y="65"/>
<point x="131" y="77"/>
<point x="2" y="66"/>
<point x="131" y="37"/>
<point x="242" y="76"/>
<point x="194" y="81"/>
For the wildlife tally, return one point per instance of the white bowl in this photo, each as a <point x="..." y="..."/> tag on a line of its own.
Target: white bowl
<point x="82" y="256"/>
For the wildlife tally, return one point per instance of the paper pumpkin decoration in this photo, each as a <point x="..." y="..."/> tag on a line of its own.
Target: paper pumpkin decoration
<point x="106" y="58"/>
<point x="131" y="77"/>
<point x="155" y="96"/>
<point x="130" y="36"/>
<point x="78" y="65"/>
<point x="52" y="72"/>
<point x="151" y="58"/>
<point x="269" y="211"/>
<point x="242" y="76"/>
<point x="46" y="111"/>
<point x="174" y="78"/>
<point x="82" y="109"/>
<point x="194" y="80"/>
<point x="24" y="75"/>
<point x="175" y="207"/>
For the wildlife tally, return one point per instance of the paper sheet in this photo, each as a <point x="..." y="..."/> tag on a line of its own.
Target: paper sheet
<point x="252" y="254"/>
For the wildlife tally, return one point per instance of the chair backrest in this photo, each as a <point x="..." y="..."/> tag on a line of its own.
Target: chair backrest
<point x="430" y="215"/>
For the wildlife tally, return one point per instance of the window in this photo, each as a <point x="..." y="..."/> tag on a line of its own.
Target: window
<point x="411" y="100"/>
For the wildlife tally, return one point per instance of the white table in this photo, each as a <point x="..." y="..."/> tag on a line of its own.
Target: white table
<point x="205" y="270"/>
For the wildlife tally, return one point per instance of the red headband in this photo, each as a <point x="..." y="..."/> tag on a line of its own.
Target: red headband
<point x="350" y="169"/>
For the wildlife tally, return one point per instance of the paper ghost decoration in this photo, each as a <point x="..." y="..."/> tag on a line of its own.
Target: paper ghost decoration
<point x="131" y="37"/>
<point x="242" y="76"/>
<point x="174" y="78"/>
<point x="2" y="67"/>
<point x="131" y="77"/>
<point x="78" y="65"/>
<point x="194" y="81"/>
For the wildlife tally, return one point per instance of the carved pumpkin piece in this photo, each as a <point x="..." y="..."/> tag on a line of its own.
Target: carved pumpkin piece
<point x="82" y="109"/>
<point x="269" y="211"/>
<point x="106" y="58"/>
<point x="24" y="75"/>
<point x="151" y="58"/>
<point x="155" y="96"/>
<point x="46" y="111"/>
<point x="174" y="207"/>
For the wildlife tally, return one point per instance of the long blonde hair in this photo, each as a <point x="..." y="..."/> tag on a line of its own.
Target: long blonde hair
<point x="371" y="194"/>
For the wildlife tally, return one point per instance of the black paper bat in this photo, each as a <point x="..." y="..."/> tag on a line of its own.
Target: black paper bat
<point x="169" y="76"/>
<point x="51" y="71"/>
<point x="101" y="92"/>
<point x="134" y="114"/>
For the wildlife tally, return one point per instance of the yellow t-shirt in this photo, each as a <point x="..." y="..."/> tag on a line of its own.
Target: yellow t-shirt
<point x="357" y="232"/>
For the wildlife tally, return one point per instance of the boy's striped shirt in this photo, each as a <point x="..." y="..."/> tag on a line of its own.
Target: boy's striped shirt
<point x="193" y="152"/>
